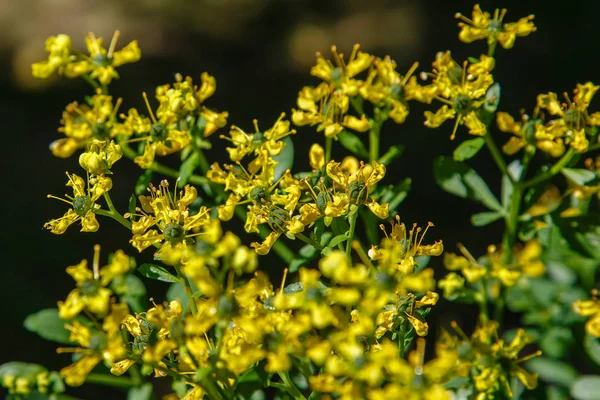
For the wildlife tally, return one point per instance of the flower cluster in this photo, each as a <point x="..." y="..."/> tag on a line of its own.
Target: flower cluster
<point x="350" y="314"/>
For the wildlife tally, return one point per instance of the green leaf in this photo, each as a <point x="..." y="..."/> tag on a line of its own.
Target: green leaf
<point x="306" y="254"/>
<point x="157" y="272"/>
<point x="285" y="159"/>
<point x="578" y="175"/>
<point x="592" y="348"/>
<point x="586" y="387"/>
<point x="468" y="149"/>
<point x="337" y="240"/>
<point x="394" y="194"/>
<point x="143" y="392"/>
<point x="392" y="153"/>
<point x="17" y="368"/>
<point x="143" y="182"/>
<point x="552" y="371"/>
<point x="292" y="288"/>
<point x="48" y="325"/>
<point x="353" y="143"/>
<point x="492" y="99"/>
<point x="486" y="218"/>
<point x="132" y="291"/>
<point x="187" y="168"/>
<point x="555" y="342"/>
<point x="177" y="292"/>
<point x="461" y="180"/>
<point x="132" y="205"/>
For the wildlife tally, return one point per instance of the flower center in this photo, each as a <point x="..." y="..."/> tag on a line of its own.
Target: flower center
<point x="174" y="233"/>
<point x="357" y="190"/>
<point x="259" y="193"/>
<point x="159" y="132"/>
<point x="82" y="204"/>
<point x="462" y="104"/>
<point x="100" y="130"/>
<point x="100" y="60"/>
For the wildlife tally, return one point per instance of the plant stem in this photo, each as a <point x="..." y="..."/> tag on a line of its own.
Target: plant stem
<point x="111" y="380"/>
<point x="352" y="219"/>
<point x="162" y="169"/>
<point x="328" y="144"/>
<point x="555" y="169"/>
<point x="290" y="387"/>
<point x="91" y="82"/>
<point x="496" y="155"/>
<point x="188" y="290"/>
<point x="308" y="240"/>
<point x="483" y="313"/>
<point x="113" y="213"/>
<point x="492" y="48"/>
<point x="374" y="134"/>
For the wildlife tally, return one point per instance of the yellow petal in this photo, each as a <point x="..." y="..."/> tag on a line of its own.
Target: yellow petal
<point x="442" y="114"/>
<point x="316" y="156"/>
<point x="75" y="374"/>
<point x="359" y="125"/>
<point x="550" y="102"/>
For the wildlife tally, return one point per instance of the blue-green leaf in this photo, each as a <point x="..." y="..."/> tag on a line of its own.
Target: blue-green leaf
<point x="468" y="149"/>
<point x="157" y="272"/>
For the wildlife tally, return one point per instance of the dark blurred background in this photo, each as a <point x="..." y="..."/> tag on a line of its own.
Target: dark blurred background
<point x="260" y="52"/>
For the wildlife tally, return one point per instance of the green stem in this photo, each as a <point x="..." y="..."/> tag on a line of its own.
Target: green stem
<point x="555" y="169"/>
<point x="113" y="213"/>
<point x="352" y="219"/>
<point x="328" y="144"/>
<point x="309" y="241"/>
<point x="162" y="169"/>
<point x="593" y="147"/>
<point x="290" y="387"/>
<point x="512" y="220"/>
<point x="492" y="48"/>
<point x="374" y="134"/>
<point x="188" y="290"/>
<point x="91" y="82"/>
<point x="496" y="155"/>
<point x="483" y="304"/>
<point x="111" y="380"/>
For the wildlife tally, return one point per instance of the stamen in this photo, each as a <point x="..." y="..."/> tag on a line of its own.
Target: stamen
<point x="412" y="69"/>
<point x="285" y="272"/>
<point x="458" y="330"/>
<point x="530" y="356"/>
<point x="458" y="119"/>
<point x="116" y="108"/>
<point x="502" y="14"/>
<point x="51" y="196"/>
<point x="466" y="253"/>
<point x="96" y="263"/>
<point x="255" y="123"/>
<point x="113" y="44"/>
<point x="463" y="18"/>
<point x="149" y="108"/>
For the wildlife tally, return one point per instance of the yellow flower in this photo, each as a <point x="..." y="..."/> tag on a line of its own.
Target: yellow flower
<point x="183" y="98"/>
<point x="525" y="132"/>
<point x="327" y="104"/>
<point x="91" y="293"/>
<point x="384" y="86"/>
<point x="462" y="91"/>
<point x="83" y="204"/>
<point x="327" y="109"/>
<point x="574" y="120"/>
<point x="256" y="143"/>
<point x="358" y="184"/>
<point x="101" y="63"/>
<point x="100" y="157"/>
<point x="82" y="123"/>
<point x="398" y="250"/>
<point x="96" y="345"/>
<point x="163" y="137"/>
<point x="59" y="47"/>
<point x="590" y="308"/>
<point x="170" y="215"/>
<point x="482" y="26"/>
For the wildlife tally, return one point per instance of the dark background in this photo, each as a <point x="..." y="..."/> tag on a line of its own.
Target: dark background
<point x="260" y="52"/>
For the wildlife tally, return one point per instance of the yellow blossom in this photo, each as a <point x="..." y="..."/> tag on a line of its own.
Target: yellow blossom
<point x="83" y="204"/>
<point x="483" y="26"/>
